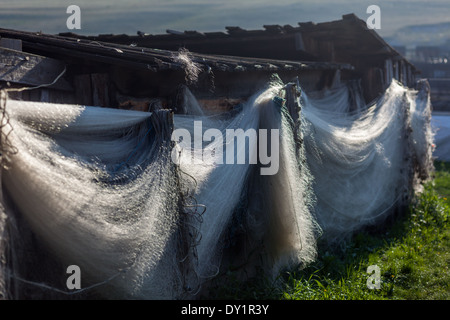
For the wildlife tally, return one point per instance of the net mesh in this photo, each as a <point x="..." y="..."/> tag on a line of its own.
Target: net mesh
<point x="154" y="205"/>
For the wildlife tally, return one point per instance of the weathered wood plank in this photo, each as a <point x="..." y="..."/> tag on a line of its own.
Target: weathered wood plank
<point x="14" y="44"/>
<point x="45" y="95"/>
<point x="83" y="89"/>
<point x="100" y="89"/>
<point x="31" y="70"/>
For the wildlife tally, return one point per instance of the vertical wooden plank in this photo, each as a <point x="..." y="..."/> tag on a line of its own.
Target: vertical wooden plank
<point x="17" y="95"/>
<point x="299" y="45"/>
<point x="45" y="95"/>
<point x="326" y="49"/>
<point x="100" y="89"/>
<point x="83" y="89"/>
<point x="59" y="96"/>
<point x="389" y="71"/>
<point x="410" y="77"/>
<point x="404" y="74"/>
<point x="396" y="71"/>
<point x="35" y="95"/>
<point x="14" y="44"/>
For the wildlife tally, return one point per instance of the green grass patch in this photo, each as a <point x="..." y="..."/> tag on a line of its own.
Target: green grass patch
<point x="412" y="254"/>
<point x="441" y="182"/>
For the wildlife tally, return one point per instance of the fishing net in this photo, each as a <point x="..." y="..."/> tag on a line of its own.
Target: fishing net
<point x="109" y="191"/>
<point x="155" y="205"/>
<point x="366" y="162"/>
<point x="260" y="203"/>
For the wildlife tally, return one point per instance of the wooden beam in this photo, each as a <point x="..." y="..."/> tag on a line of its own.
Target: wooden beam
<point x="31" y="70"/>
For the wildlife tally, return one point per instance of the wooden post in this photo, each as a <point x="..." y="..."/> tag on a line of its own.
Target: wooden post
<point x="83" y="89"/>
<point x="100" y="89"/>
<point x="45" y="95"/>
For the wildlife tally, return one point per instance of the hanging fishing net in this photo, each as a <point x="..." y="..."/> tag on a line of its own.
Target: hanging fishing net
<point x="366" y="162"/>
<point x="155" y="205"/>
<point x="147" y="217"/>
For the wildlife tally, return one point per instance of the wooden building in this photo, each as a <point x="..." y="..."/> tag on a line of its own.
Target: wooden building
<point x="107" y="74"/>
<point x="148" y="71"/>
<point x="345" y="41"/>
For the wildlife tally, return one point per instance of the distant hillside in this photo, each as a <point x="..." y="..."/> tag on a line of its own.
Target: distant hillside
<point x="427" y="34"/>
<point x="156" y="16"/>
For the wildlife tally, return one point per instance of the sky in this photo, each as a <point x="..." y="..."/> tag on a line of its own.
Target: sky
<point x="156" y="16"/>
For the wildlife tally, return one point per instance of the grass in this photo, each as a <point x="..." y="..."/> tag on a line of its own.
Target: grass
<point x="412" y="254"/>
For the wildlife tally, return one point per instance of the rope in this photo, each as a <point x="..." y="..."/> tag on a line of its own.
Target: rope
<point x="6" y="148"/>
<point x="39" y="86"/>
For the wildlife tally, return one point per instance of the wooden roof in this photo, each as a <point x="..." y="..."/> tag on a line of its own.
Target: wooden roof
<point x="71" y="48"/>
<point x="350" y="38"/>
